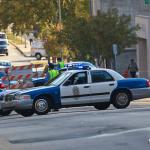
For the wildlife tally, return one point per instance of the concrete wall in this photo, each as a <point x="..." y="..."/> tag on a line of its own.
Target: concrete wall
<point x="123" y="60"/>
<point x="143" y="46"/>
<point x="128" y="7"/>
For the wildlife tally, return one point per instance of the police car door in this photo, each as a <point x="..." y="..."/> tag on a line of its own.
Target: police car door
<point x="76" y="89"/>
<point x="102" y="84"/>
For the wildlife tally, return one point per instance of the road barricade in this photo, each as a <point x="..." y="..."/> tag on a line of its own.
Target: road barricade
<point x="21" y="74"/>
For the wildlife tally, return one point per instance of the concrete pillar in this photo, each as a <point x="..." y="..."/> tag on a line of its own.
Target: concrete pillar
<point x="142" y="57"/>
<point x="143" y="45"/>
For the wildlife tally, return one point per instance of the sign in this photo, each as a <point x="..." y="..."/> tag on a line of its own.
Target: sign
<point x="147" y="2"/>
<point x="115" y="49"/>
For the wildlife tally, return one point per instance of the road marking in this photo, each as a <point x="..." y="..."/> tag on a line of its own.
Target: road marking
<point x="119" y="133"/>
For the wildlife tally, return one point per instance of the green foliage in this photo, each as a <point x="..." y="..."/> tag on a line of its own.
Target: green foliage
<point x="93" y="37"/>
<point x="24" y="14"/>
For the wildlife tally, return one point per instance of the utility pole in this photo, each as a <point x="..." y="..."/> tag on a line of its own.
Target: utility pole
<point x="59" y="11"/>
<point x="60" y="25"/>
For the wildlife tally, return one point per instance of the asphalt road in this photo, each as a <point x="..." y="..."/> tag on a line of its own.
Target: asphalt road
<point x="16" y="57"/>
<point x="78" y="129"/>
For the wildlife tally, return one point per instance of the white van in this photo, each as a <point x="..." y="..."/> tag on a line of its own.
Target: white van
<point x="37" y="49"/>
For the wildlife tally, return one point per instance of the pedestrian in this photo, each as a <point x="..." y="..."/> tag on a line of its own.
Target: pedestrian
<point x="30" y="40"/>
<point x="60" y="63"/>
<point x="132" y="68"/>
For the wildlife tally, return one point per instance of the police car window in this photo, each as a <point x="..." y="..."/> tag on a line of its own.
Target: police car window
<point x="78" y="78"/>
<point x="100" y="76"/>
<point x="61" y="79"/>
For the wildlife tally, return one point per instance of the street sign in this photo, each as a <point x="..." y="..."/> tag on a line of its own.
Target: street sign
<point x="147" y="2"/>
<point x="115" y="49"/>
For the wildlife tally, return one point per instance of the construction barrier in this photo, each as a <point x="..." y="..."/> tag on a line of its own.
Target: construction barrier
<point x="21" y="73"/>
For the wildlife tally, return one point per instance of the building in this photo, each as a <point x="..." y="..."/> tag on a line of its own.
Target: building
<point x="128" y="7"/>
<point x="139" y="10"/>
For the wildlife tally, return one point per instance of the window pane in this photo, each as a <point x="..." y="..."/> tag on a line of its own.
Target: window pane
<point x="100" y="76"/>
<point x="78" y="78"/>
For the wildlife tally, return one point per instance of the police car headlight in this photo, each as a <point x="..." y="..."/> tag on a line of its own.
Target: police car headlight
<point x="22" y="97"/>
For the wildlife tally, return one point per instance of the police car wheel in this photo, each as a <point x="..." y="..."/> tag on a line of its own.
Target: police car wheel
<point x="5" y="112"/>
<point x="121" y="99"/>
<point x="25" y="113"/>
<point x="102" y="106"/>
<point x="41" y="105"/>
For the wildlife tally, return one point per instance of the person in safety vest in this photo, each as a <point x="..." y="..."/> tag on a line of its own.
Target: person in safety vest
<point x="52" y="75"/>
<point x="52" y="72"/>
<point x="60" y="63"/>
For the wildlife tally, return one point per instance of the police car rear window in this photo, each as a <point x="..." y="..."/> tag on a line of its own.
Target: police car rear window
<point x="100" y="76"/>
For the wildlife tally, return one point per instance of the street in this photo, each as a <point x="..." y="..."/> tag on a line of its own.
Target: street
<point x="82" y="128"/>
<point x="16" y="57"/>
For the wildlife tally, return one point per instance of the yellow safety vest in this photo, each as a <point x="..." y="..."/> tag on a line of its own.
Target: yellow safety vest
<point x="62" y="65"/>
<point x="53" y="74"/>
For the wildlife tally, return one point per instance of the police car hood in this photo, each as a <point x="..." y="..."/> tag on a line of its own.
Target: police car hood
<point x="38" y="90"/>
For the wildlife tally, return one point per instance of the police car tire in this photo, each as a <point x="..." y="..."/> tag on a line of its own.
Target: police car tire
<point x="102" y="106"/>
<point x="118" y="103"/>
<point x="25" y="113"/>
<point x="5" y="112"/>
<point x="42" y="99"/>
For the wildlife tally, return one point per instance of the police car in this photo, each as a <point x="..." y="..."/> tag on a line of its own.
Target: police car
<point x="97" y="87"/>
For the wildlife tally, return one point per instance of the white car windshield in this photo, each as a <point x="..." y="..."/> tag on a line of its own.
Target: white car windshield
<point x="61" y="78"/>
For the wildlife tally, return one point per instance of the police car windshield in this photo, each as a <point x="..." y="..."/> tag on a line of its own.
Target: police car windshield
<point x="61" y="78"/>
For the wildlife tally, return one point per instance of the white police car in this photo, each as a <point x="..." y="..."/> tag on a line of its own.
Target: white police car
<point x="97" y="87"/>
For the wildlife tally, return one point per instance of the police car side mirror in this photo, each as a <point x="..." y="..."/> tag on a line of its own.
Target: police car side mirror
<point x="67" y="83"/>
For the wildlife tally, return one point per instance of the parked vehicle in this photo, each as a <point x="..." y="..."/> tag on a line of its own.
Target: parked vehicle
<point x="97" y="87"/>
<point x="6" y="109"/>
<point x="4" y="46"/>
<point x="5" y="64"/>
<point x="3" y="35"/>
<point x="37" y="49"/>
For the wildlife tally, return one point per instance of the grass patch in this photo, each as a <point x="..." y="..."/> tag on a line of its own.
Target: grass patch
<point x="15" y="39"/>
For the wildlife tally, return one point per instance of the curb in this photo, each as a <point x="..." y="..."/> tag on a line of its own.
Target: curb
<point x="18" y="49"/>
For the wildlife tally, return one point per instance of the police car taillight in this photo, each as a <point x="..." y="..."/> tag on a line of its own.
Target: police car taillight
<point x="148" y="83"/>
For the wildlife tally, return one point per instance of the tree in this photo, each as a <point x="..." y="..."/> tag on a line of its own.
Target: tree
<point x="28" y="15"/>
<point x="25" y="14"/>
<point x="93" y="37"/>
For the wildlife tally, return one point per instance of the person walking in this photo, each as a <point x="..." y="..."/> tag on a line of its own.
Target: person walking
<point x="132" y="68"/>
<point x="60" y="63"/>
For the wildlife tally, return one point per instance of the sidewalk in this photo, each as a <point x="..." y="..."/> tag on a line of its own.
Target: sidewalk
<point x="26" y="51"/>
<point x="142" y="101"/>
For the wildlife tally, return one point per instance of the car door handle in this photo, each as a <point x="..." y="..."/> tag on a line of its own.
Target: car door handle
<point x="86" y="86"/>
<point x="111" y="84"/>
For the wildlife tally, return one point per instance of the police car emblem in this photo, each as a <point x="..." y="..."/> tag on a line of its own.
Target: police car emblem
<point x="75" y="90"/>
